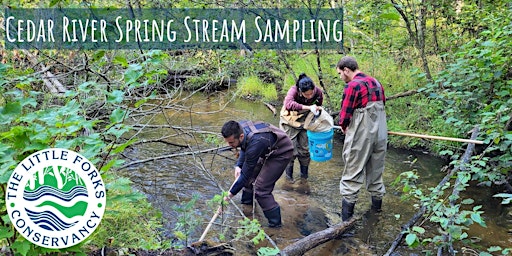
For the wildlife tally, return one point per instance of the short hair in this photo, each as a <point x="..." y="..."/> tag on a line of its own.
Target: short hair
<point x="304" y="83"/>
<point x="231" y="128"/>
<point x="347" y="62"/>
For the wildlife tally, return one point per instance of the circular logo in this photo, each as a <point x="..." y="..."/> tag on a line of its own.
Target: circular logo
<point x="55" y="198"/>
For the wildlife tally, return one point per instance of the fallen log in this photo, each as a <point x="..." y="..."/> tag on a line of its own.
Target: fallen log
<point x="49" y="79"/>
<point x="465" y="158"/>
<point x="309" y="242"/>
<point x="271" y="108"/>
<point x="402" y="94"/>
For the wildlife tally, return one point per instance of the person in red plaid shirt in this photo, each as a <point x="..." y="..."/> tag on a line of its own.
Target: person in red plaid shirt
<point x="363" y="121"/>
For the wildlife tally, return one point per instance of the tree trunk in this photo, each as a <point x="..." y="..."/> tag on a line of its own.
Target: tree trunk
<point x="415" y="24"/>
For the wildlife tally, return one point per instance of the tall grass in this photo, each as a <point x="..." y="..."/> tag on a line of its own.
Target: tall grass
<point x="253" y="86"/>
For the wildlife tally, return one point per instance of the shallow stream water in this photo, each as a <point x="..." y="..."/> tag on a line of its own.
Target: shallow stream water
<point x="306" y="208"/>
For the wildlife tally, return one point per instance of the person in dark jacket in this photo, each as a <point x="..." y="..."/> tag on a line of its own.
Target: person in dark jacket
<point x="265" y="151"/>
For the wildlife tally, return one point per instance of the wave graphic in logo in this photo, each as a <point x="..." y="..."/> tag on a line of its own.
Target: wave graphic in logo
<point x="57" y="199"/>
<point x="54" y="209"/>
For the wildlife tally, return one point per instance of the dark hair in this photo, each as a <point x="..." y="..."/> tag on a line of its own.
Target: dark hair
<point x="347" y="62"/>
<point x="231" y="128"/>
<point x="304" y="83"/>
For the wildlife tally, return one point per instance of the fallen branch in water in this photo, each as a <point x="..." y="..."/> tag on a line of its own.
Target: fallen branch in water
<point x="271" y="108"/>
<point x="309" y="242"/>
<point x="175" y="155"/>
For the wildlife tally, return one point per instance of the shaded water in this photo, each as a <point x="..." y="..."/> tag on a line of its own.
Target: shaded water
<point x="306" y="208"/>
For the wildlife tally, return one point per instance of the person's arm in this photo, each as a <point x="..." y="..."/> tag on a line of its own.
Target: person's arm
<point x="383" y="95"/>
<point x="348" y="104"/>
<point x="290" y="103"/>
<point x="255" y="149"/>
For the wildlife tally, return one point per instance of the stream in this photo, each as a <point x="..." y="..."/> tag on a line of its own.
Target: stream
<point x="305" y="208"/>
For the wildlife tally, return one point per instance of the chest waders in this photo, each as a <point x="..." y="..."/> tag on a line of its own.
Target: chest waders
<point x="269" y="169"/>
<point x="364" y="152"/>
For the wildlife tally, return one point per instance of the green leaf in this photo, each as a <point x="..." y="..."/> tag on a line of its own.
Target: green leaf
<point x="140" y="102"/>
<point x="419" y="230"/>
<point x="6" y="232"/>
<point x="114" y="162"/>
<point x="267" y="251"/>
<point x="120" y="148"/>
<point x="9" y="112"/>
<point x="116" y="96"/>
<point x="121" y="61"/>
<point x="468" y="201"/>
<point x="411" y="239"/>
<point x="117" y="115"/>
<point x="390" y="16"/>
<point x="477" y="218"/>
<point x="133" y="73"/>
<point x="494" y="249"/>
<point x="98" y="55"/>
<point x="21" y="246"/>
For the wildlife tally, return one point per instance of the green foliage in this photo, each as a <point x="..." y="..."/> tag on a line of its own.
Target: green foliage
<point x="250" y="228"/>
<point x="187" y="220"/>
<point x="476" y="90"/>
<point x="266" y="251"/>
<point x="129" y="215"/>
<point x="253" y="86"/>
<point x="212" y="139"/>
<point x="32" y="121"/>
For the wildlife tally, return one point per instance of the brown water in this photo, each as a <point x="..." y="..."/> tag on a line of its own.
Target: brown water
<point x="306" y="208"/>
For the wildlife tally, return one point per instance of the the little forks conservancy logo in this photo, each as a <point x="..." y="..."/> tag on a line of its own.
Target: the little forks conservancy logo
<point x="55" y="198"/>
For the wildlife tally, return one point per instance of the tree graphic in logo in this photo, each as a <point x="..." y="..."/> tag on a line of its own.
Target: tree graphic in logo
<point x="58" y="196"/>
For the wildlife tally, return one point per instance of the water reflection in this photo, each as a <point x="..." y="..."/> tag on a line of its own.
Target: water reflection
<point x="306" y="208"/>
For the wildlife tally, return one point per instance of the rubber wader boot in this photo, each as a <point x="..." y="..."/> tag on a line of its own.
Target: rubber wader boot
<point x="347" y="210"/>
<point x="376" y="204"/>
<point x="304" y="171"/>
<point x="289" y="173"/>
<point x="246" y="197"/>
<point x="274" y="217"/>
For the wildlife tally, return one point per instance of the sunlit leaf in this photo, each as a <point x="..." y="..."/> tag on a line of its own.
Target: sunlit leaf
<point x="419" y="230"/>
<point x="117" y="115"/>
<point x="410" y="239"/>
<point x="468" y="201"/>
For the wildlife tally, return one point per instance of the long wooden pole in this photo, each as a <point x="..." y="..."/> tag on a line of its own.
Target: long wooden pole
<point x="219" y="210"/>
<point x="424" y="136"/>
<point x="210" y="224"/>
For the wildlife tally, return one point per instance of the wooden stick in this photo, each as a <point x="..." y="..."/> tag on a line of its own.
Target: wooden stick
<point x="219" y="210"/>
<point x="424" y="136"/>
<point x="210" y="224"/>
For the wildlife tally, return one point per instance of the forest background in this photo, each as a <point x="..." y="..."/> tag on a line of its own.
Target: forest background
<point x="445" y="65"/>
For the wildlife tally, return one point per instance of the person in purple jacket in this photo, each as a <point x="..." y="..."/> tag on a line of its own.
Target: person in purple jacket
<point x="265" y="151"/>
<point x="301" y="99"/>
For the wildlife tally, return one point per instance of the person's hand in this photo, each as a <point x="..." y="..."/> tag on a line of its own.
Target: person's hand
<point x="228" y="197"/>
<point x="314" y="109"/>
<point x="237" y="172"/>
